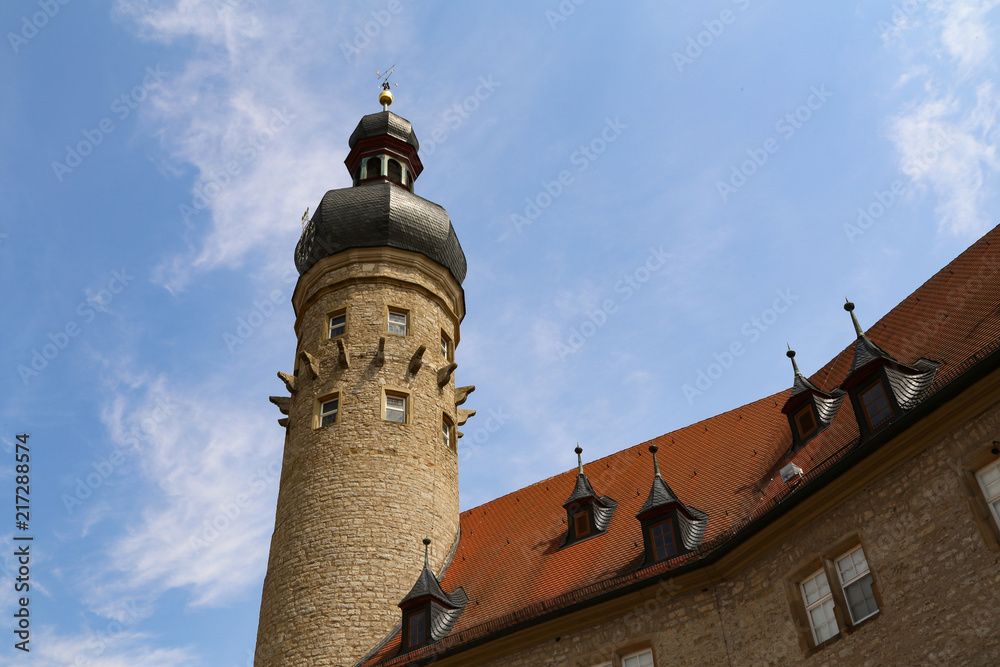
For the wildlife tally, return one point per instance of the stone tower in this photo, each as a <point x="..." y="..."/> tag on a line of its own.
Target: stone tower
<point x="370" y="465"/>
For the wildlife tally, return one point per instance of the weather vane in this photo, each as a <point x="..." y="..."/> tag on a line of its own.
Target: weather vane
<point x="385" y="97"/>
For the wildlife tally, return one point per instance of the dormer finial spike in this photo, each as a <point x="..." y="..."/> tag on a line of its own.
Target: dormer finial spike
<point x="427" y="546"/>
<point x="849" y="307"/>
<point x="791" y="355"/>
<point x="656" y="465"/>
<point x="579" y="457"/>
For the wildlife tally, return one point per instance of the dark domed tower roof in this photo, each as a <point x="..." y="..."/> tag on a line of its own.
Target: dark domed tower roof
<point x="384" y="123"/>
<point x="380" y="210"/>
<point x="376" y="215"/>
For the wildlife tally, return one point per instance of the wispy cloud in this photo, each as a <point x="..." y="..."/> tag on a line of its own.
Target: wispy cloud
<point x="946" y="139"/>
<point x="118" y="648"/>
<point x="205" y="518"/>
<point x="246" y="115"/>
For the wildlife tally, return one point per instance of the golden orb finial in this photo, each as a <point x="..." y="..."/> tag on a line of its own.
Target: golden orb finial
<point x="385" y="98"/>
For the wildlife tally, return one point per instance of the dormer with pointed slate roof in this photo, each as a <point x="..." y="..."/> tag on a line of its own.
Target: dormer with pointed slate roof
<point x="880" y="387"/>
<point x="587" y="514"/>
<point x="429" y="613"/>
<point x="809" y="410"/>
<point x="669" y="527"/>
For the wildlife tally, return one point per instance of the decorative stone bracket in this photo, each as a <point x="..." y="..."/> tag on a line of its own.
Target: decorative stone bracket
<point x="342" y="357"/>
<point x="462" y="393"/>
<point x="283" y="403"/>
<point x="464" y="415"/>
<point x="311" y="362"/>
<point x="444" y="374"/>
<point x="289" y="381"/>
<point x="380" y="355"/>
<point x="417" y="360"/>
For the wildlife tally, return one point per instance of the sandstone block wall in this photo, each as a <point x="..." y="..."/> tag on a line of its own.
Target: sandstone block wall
<point x="357" y="497"/>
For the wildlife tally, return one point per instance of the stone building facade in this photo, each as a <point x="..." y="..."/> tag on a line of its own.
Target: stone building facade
<point x="851" y="519"/>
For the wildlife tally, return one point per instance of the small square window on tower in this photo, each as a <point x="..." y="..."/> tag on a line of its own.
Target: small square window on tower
<point x="395" y="407"/>
<point x="445" y="346"/>
<point x="398" y="320"/>
<point x="338" y="324"/>
<point x="326" y="411"/>
<point x="448" y="432"/>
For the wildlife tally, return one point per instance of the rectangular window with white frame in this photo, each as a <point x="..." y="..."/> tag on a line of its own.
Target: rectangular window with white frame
<point x="989" y="483"/>
<point x="856" y="580"/>
<point x="327" y="410"/>
<point x="395" y="408"/>
<point x="338" y="324"/>
<point x="398" y="322"/>
<point x="640" y="659"/>
<point x="819" y="607"/>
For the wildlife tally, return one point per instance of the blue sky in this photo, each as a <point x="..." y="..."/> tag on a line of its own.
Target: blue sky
<point x="641" y="189"/>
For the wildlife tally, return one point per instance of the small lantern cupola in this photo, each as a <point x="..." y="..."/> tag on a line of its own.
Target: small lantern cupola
<point x="669" y="527"/>
<point x="429" y="613"/>
<point x="384" y="148"/>
<point x="587" y="515"/>
<point x="880" y="387"/>
<point x="809" y="410"/>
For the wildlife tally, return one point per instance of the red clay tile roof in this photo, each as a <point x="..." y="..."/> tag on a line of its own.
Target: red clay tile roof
<point x="509" y="562"/>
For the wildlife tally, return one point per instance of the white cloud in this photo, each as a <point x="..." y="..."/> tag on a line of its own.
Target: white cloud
<point x="947" y="139"/>
<point x="206" y="516"/>
<point x="246" y="115"/>
<point x="114" y="645"/>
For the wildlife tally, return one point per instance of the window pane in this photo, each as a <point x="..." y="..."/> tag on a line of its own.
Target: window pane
<point x="662" y="535"/>
<point x="990" y="479"/>
<point x="815" y="588"/>
<point x="337" y="325"/>
<point x="860" y="599"/>
<point x="418" y="629"/>
<point x="328" y="412"/>
<point x="446" y="431"/>
<point x="373" y="167"/>
<point x="823" y="622"/>
<point x="996" y="509"/>
<point x="444" y="347"/>
<point x="397" y="323"/>
<point x="876" y="405"/>
<point x="644" y="659"/>
<point x="395" y="409"/>
<point x="852" y="565"/>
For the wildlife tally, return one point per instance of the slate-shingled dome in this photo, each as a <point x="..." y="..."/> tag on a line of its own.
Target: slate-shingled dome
<point x="378" y="215"/>
<point x="381" y="124"/>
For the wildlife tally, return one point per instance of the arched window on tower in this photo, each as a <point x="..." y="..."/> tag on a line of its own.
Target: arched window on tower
<point x="373" y="167"/>
<point x="395" y="171"/>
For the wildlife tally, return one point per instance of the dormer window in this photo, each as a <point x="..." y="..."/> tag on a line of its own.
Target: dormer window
<point x="669" y="527"/>
<point x="876" y="405"/>
<point x="587" y="514"/>
<point x="416" y="626"/>
<point x="428" y="612"/>
<point x="805" y="421"/>
<point x="662" y="537"/>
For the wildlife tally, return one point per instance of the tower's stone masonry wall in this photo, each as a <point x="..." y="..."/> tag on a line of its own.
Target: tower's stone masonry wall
<point x="357" y="496"/>
<point x="938" y="577"/>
